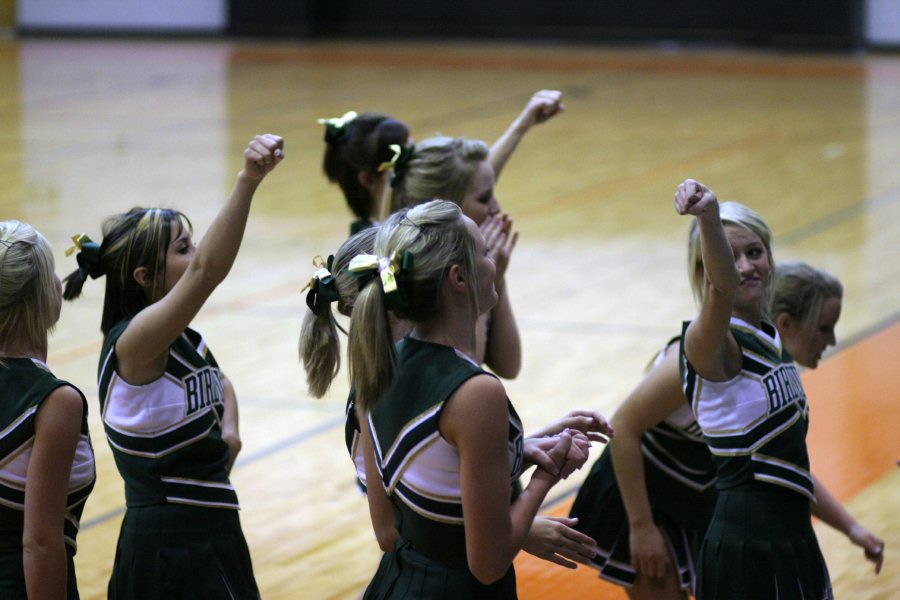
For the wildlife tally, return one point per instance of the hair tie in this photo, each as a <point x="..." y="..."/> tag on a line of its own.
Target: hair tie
<point x="336" y="128"/>
<point x="397" y="164"/>
<point x="88" y="256"/>
<point x="393" y="272"/>
<point x="322" y="288"/>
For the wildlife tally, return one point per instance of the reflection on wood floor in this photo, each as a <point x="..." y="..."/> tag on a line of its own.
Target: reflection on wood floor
<point x="92" y="127"/>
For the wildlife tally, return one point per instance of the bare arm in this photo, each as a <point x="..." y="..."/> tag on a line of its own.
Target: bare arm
<point x="476" y="421"/>
<point x="830" y="511"/>
<point x="589" y="422"/>
<point x="57" y="429"/>
<point x="380" y="510"/>
<point x="708" y="342"/>
<point x="655" y="397"/>
<point x="503" y="345"/>
<point x="542" y="106"/>
<point x="231" y="434"/>
<point x="143" y="345"/>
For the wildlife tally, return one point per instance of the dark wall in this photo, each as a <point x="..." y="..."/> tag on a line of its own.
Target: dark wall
<point x="826" y="23"/>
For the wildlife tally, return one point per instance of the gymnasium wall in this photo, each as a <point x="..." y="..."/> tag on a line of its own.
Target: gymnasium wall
<point x="810" y="23"/>
<point x="766" y="22"/>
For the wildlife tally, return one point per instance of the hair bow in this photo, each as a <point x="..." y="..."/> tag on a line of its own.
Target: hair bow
<point x="397" y="164"/>
<point x="88" y="256"/>
<point x="391" y="270"/>
<point x="322" y="288"/>
<point x="335" y="129"/>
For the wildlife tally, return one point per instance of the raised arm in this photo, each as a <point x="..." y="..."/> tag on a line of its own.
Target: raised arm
<point x="657" y="396"/>
<point x="142" y="347"/>
<point x="709" y="345"/>
<point x="476" y="421"/>
<point x="57" y="429"/>
<point x="542" y="106"/>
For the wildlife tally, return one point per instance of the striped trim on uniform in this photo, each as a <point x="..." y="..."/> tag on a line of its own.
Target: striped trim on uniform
<point x="442" y="510"/>
<point x="196" y="492"/>
<point x="755" y="423"/>
<point x="416" y="434"/>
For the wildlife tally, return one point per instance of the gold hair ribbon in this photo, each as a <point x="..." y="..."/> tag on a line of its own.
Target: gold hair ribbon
<point x="388" y="268"/>
<point x="321" y="273"/>
<point x="88" y="256"/>
<point x="339" y="122"/>
<point x="397" y="149"/>
<point x="79" y="240"/>
<point x="362" y="264"/>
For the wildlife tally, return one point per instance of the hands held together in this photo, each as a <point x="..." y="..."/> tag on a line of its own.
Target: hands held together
<point x="562" y="447"/>
<point x="500" y="240"/>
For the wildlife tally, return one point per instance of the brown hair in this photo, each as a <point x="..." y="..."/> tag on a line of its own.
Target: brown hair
<point x="137" y="238"/>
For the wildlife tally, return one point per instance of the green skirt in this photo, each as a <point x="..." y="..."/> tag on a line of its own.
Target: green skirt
<point x="761" y="546"/>
<point x="408" y="574"/>
<point x="174" y="551"/>
<point x="681" y="513"/>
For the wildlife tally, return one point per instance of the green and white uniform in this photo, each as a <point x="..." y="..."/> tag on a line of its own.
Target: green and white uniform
<point x="760" y="544"/>
<point x="181" y="536"/>
<point x="420" y="471"/>
<point x="680" y="478"/>
<point x="24" y="384"/>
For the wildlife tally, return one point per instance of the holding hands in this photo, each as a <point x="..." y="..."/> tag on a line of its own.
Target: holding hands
<point x="557" y="456"/>
<point x="589" y="422"/>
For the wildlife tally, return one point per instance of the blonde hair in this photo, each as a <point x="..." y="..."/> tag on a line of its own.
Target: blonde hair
<point x="436" y="236"/>
<point x="319" y="347"/>
<point x="29" y="299"/>
<point x="800" y="290"/>
<point x="440" y="167"/>
<point x="137" y="238"/>
<point x="737" y="215"/>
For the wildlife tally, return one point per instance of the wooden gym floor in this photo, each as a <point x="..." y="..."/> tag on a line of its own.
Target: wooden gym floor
<point x="93" y="127"/>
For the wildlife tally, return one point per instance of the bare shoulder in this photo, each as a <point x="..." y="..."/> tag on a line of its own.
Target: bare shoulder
<point x="479" y="403"/>
<point x="64" y="405"/>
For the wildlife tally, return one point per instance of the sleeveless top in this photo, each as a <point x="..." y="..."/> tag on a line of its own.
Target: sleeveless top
<point x="24" y="384"/>
<point x="351" y="439"/>
<point x="754" y="424"/>
<point x="166" y="435"/>
<point x="676" y="446"/>
<point x="419" y="468"/>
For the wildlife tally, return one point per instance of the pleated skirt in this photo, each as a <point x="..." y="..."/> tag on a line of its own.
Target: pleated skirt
<point x="407" y="574"/>
<point x="178" y="552"/>
<point x="761" y="546"/>
<point x="681" y="513"/>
